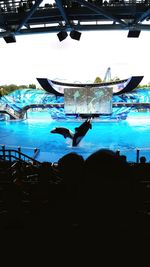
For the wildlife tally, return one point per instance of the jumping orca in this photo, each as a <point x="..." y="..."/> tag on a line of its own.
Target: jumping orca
<point x="81" y="131"/>
<point x="76" y="137"/>
<point x="63" y="131"/>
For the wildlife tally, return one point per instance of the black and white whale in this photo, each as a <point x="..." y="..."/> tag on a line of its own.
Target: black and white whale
<point x="76" y="137"/>
<point x="81" y="131"/>
<point x="63" y="131"/>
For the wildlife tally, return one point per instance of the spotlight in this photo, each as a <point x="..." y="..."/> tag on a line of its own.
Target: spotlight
<point x="10" y="38"/>
<point x="133" y="33"/>
<point x="75" y="35"/>
<point x="62" y="35"/>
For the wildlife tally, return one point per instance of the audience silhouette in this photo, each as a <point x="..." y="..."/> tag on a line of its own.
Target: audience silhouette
<point x="98" y="199"/>
<point x="70" y="168"/>
<point x="107" y="194"/>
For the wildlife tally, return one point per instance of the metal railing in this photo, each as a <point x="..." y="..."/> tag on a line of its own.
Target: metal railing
<point x="138" y="153"/>
<point x="13" y="155"/>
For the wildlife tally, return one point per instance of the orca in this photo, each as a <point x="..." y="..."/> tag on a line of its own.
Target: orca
<point x="76" y="137"/>
<point x="81" y="131"/>
<point x="63" y="131"/>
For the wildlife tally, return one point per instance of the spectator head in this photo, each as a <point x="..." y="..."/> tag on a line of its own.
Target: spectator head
<point x="142" y="159"/>
<point x="70" y="167"/>
<point x="103" y="162"/>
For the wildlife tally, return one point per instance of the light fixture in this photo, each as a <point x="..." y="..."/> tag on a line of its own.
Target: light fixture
<point x="62" y="35"/>
<point x="133" y="33"/>
<point x="10" y="38"/>
<point x="75" y="35"/>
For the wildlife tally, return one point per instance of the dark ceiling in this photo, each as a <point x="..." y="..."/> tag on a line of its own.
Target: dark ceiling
<point x="20" y="17"/>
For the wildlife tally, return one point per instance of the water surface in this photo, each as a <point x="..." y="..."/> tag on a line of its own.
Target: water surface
<point x="126" y="135"/>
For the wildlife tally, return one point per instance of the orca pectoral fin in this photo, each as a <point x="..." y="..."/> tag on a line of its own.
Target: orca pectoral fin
<point x="71" y="135"/>
<point x="76" y="129"/>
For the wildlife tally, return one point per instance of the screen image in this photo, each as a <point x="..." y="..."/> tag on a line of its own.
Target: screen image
<point x="88" y="100"/>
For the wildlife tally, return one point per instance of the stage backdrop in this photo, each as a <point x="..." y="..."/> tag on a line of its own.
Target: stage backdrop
<point x="88" y="100"/>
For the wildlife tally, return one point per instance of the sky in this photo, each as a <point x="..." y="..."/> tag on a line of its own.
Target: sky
<point x="44" y="56"/>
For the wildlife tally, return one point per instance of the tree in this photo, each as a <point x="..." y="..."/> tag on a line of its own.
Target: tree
<point x="1" y="91"/>
<point x="32" y="85"/>
<point x="98" y="80"/>
<point x="6" y="89"/>
<point x="23" y="86"/>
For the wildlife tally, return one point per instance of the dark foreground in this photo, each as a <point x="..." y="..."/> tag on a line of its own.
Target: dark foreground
<point x="87" y="210"/>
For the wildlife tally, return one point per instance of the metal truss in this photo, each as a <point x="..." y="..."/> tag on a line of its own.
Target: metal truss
<point x="20" y="17"/>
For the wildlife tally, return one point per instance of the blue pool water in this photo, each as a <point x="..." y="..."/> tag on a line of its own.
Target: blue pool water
<point x="126" y="135"/>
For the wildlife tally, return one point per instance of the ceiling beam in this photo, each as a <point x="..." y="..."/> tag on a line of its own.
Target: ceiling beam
<point x="62" y="12"/>
<point x="87" y="17"/>
<point x="29" y="15"/>
<point x="143" y="16"/>
<point x="101" y="11"/>
<point x="55" y="29"/>
<point x="3" y="21"/>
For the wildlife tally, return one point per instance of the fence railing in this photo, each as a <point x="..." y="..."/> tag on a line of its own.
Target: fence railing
<point x="12" y="153"/>
<point x="136" y="154"/>
<point x="16" y="154"/>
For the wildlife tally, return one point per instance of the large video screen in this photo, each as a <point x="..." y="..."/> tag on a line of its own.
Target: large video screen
<point x="88" y="100"/>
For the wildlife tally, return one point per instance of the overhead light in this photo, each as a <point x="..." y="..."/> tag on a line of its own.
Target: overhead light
<point x="75" y="35"/>
<point x="10" y="38"/>
<point x="133" y="33"/>
<point x="62" y="35"/>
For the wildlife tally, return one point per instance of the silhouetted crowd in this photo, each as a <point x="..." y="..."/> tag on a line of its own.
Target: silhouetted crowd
<point x="102" y="198"/>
